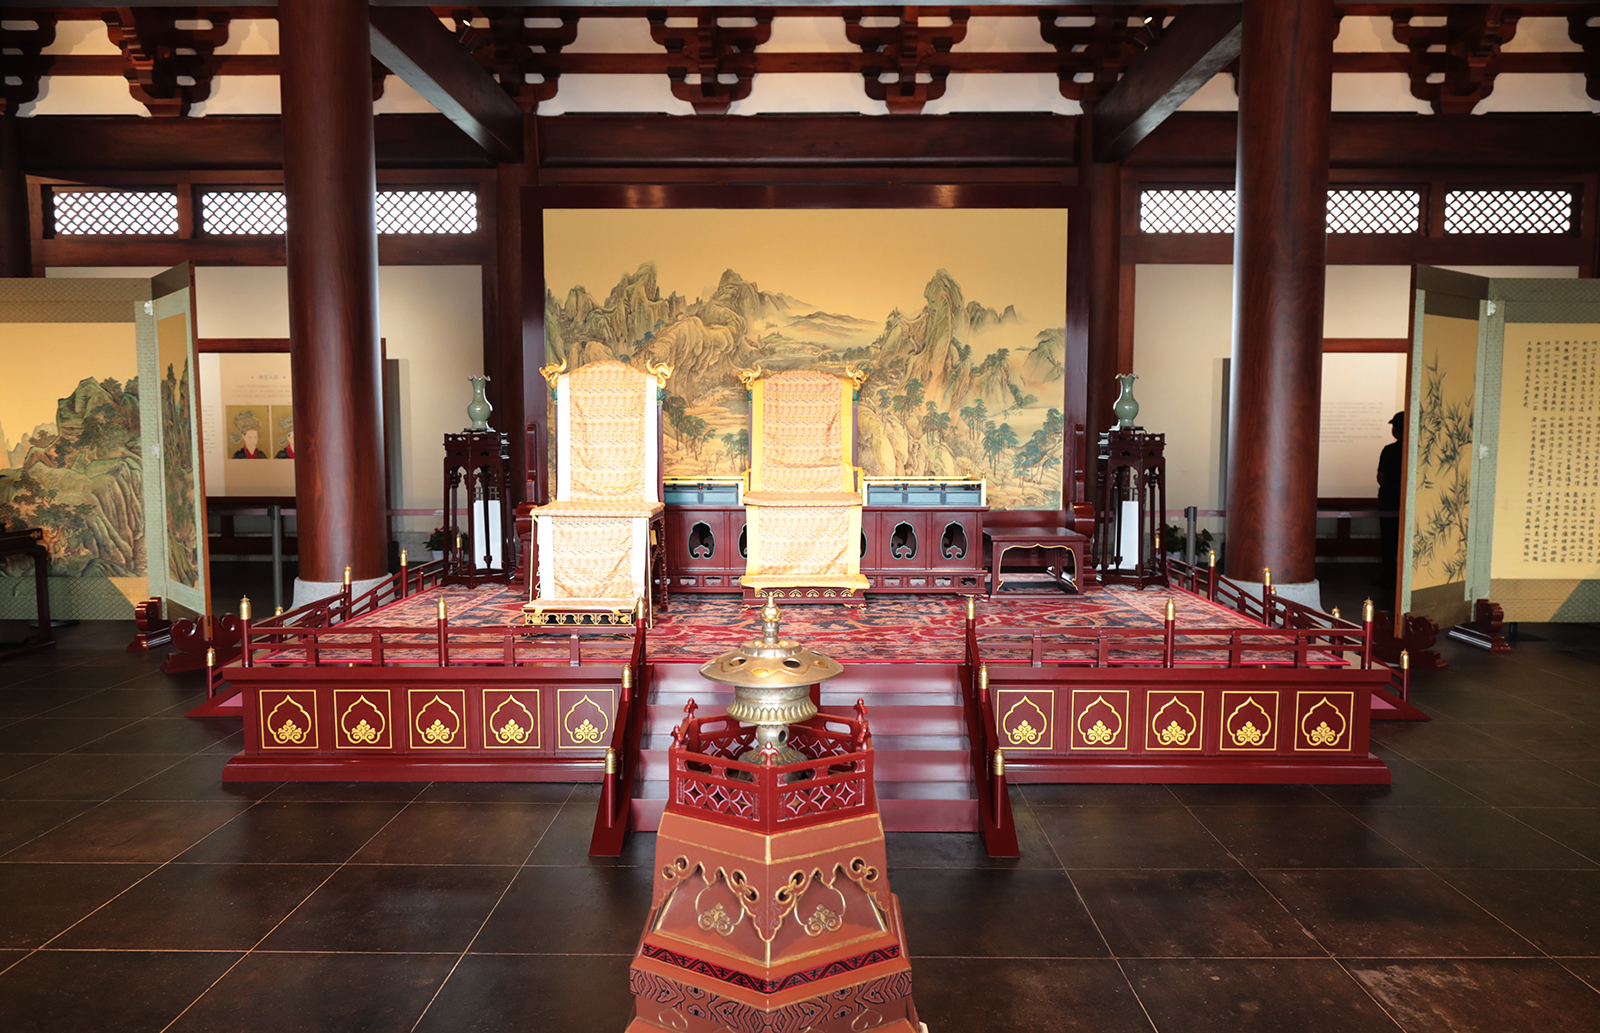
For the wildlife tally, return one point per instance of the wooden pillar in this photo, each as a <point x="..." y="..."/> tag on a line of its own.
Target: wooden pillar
<point x="1280" y="261"/>
<point x="1103" y="185"/>
<point x="505" y="364"/>
<point x="15" y="245"/>
<point x="329" y="181"/>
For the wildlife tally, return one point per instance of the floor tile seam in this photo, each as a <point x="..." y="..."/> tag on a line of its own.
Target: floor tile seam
<point x="46" y="832"/>
<point x="1437" y="873"/>
<point x="335" y="870"/>
<point x="504" y="890"/>
<point x="1384" y="1011"/>
<point x="1488" y="806"/>
<point x="1289" y="914"/>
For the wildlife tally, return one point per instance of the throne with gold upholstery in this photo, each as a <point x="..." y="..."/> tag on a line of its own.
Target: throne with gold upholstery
<point x="803" y="492"/>
<point x="599" y="542"/>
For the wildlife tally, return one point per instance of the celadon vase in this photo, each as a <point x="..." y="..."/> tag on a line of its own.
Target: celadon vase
<point x="478" y="409"/>
<point x="1125" y="408"/>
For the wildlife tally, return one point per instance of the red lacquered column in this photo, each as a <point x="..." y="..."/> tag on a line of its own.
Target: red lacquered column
<point x="1280" y="258"/>
<point x="329" y="181"/>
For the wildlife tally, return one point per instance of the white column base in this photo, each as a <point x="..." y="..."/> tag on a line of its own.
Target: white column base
<point x="1306" y="593"/>
<point x="312" y="591"/>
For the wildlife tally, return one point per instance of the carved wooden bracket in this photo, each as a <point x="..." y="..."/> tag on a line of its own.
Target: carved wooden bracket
<point x="513" y="50"/>
<point x="907" y="71"/>
<point x="722" y="56"/>
<point x="1453" y="66"/>
<point x="1588" y="37"/>
<point x="19" y="60"/>
<point x="169" y="69"/>
<point x="1102" y="50"/>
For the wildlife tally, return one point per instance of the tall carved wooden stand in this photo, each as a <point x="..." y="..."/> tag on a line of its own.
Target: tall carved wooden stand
<point x="477" y="464"/>
<point x="772" y="908"/>
<point x="1132" y="469"/>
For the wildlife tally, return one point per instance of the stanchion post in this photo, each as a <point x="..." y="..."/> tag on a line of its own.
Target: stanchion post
<point x="1170" y="646"/>
<point x="244" y="632"/>
<point x="344" y="596"/>
<point x="1266" y="596"/>
<point x="405" y="576"/>
<point x="275" y="514"/>
<point x="1366" y="635"/>
<point x="608" y="787"/>
<point x="211" y="673"/>
<point x="999" y="784"/>
<point x="444" y="633"/>
<point x="1211" y="576"/>
<point x="1405" y="675"/>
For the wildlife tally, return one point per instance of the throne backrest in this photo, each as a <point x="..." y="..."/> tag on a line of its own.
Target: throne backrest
<point x="608" y="435"/>
<point x="804" y="432"/>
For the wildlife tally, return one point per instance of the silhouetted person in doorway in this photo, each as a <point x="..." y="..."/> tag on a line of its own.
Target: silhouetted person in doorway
<point x="1389" y="491"/>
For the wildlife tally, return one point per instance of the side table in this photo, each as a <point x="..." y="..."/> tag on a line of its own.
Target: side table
<point x="1003" y="539"/>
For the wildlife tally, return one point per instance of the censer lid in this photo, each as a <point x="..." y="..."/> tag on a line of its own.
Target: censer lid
<point x="771" y="661"/>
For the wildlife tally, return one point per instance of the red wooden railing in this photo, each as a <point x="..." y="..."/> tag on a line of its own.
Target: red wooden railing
<point x="988" y="759"/>
<point x="623" y="759"/>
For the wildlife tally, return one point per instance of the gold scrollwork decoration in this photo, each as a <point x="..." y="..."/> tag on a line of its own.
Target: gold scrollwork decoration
<point x="857" y="377"/>
<point x="660" y="370"/>
<point x="552" y="372"/>
<point x="822" y="921"/>
<point x="288" y="731"/>
<point x="716" y="920"/>
<point x="748" y="377"/>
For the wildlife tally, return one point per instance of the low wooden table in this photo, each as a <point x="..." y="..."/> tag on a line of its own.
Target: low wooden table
<point x="29" y="541"/>
<point x="1003" y="539"/>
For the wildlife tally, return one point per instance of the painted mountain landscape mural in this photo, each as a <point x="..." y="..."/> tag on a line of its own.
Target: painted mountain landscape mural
<point x="958" y="385"/>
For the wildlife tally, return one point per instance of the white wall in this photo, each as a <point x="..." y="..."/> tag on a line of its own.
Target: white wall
<point x="432" y="322"/>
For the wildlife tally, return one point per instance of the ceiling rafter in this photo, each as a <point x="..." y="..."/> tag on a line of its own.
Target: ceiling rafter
<point x="417" y="47"/>
<point x="513" y="50"/>
<point x="20" y="60"/>
<point x="720" y="56"/>
<point x="1199" y="43"/>
<point x="1093" y="56"/>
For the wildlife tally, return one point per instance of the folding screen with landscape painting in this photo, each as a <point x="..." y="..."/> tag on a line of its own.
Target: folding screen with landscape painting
<point x="957" y="315"/>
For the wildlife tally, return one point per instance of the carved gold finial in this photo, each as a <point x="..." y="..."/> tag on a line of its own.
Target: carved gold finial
<point x="552" y="371"/>
<point x="1172" y="610"/>
<point x="444" y="609"/>
<point x="1336" y="614"/>
<point x="211" y="658"/>
<point x="1366" y="611"/>
<point x="277" y="611"/>
<point x="748" y="377"/>
<point x="999" y="763"/>
<point x="402" y="557"/>
<point x="972" y="608"/>
<point x="461" y="541"/>
<point x="1266" y="576"/>
<point x="627" y="677"/>
<point x="244" y="608"/>
<point x="347" y="575"/>
<point x="983" y="678"/>
<point x="857" y="377"/>
<point x="641" y="609"/>
<point x="769" y="612"/>
<point x="1405" y="659"/>
<point x="611" y="761"/>
<point x="1211" y="561"/>
<point x="660" y="370"/>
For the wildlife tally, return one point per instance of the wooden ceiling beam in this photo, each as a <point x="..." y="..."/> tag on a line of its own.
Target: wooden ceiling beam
<point x="417" y="47"/>
<point x="1200" y="42"/>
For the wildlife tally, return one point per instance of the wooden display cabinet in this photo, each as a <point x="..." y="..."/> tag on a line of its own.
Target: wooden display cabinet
<point x="706" y="545"/>
<point x="920" y="549"/>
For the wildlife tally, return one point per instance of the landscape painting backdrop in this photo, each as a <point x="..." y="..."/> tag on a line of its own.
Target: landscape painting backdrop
<point x="957" y="314"/>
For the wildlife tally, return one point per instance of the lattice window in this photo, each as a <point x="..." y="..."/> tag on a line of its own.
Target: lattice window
<point x="1374" y="211"/>
<point x="254" y="212"/>
<point x="1186" y="211"/>
<point x="1508" y="211"/>
<point x="139" y="212"/>
<point x="427" y="211"/>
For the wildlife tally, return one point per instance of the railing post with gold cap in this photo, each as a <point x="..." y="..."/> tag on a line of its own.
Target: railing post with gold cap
<point x="972" y="610"/>
<point x="1211" y="576"/>
<point x="1170" y="643"/>
<point x="344" y="596"/>
<point x="983" y="684"/>
<point x="627" y="684"/>
<point x="608" y="788"/>
<point x="211" y="673"/>
<point x="999" y="784"/>
<point x="1405" y="675"/>
<point x="405" y="576"/>
<point x="444" y="633"/>
<point x="244" y="632"/>
<point x="1267" y="596"/>
<point x="1366" y="635"/>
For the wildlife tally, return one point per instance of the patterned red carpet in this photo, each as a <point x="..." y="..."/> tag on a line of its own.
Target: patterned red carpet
<point x="893" y="629"/>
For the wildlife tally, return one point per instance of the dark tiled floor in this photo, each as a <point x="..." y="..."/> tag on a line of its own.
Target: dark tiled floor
<point x="139" y="893"/>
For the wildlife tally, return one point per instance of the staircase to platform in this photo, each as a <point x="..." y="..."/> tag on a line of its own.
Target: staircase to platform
<point x="923" y="762"/>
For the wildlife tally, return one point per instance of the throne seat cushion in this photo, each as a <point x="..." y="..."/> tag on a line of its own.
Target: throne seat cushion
<point x="813" y="499"/>
<point x="592" y="507"/>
